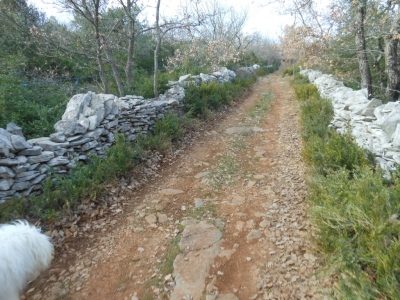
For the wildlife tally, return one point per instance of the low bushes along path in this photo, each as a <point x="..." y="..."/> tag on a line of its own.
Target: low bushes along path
<point x="227" y="219"/>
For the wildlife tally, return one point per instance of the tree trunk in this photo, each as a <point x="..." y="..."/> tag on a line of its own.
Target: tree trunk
<point x="114" y="68"/>
<point x="131" y="44"/>
<point x="366" y="79"/>
<point x="129" y="61"/>
<point x="377" y="61"/>
<point x="101" y="66"/>
<point x="98" y="50"/>
<point x="157" y="49"/>
<point x="391" y="61"/>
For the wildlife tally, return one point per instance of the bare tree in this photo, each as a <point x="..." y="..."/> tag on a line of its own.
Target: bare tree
<point x="185" y="22"/>
<point x="90" y="11"/>
<point x="265" y="49"/>
<point x="365" y="72"/>
<point x="157" y="49"/>
<point x="392" y="59"/>
<point x="224" y="23"/>
<point x="132" y="10"/>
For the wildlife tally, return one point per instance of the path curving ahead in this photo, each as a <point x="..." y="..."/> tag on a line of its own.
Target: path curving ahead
<point x="233" y="204"/>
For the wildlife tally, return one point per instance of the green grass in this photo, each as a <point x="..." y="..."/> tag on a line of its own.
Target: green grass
<point x="204" y="212"/>
<point x="256" y="115"/>
<point x="224" y="173"/>
<point x="238" y="145"/>
<point x="352" y="207"/>
<point x="167" y="267"/>
<point x="148" y="297"/>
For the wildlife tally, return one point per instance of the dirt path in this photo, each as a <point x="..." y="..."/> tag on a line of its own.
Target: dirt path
<point x="243" y="182"/>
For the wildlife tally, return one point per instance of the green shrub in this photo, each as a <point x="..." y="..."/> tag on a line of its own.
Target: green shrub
<point x="165" y="131"/>
<point x="355" y="232"/>
<point x="291" y="70"/>
<point x="245" y="82"/>
<point x="35" y="108"/>
<point x="214" y="95"/>
<point x="12" y="209"/>
<point x="62" y="193"/>
<point x="195" y="103"/>
<point x="316" y="114"/>
<point x="158" y="142"/>
<point x="262" y="71"/>
<point x="144" y="83"/>
<point x="333" y="152"/>
<point x="305" y="91"/>
<point x="353" y="209"/>
<point x="325" y="149"/>
<point x="300" y="79"/>
<point x="169" y="126"/>
<point x="272" y="69"/>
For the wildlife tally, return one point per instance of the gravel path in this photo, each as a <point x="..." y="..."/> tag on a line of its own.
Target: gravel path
<point x="233" y="203"/>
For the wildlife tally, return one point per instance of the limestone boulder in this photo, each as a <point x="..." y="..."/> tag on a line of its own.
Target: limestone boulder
<point x="207" y="78"/>
<point x="69" y="127"/>
<point x="47" y="144"/>
<point x="5" y="184"/>
<point x="6" y="146"/>
<point x="75" y="106"/>
<point x="19" y="143"/>
<point x="58" y="137"/>
<point x="6" y="172"/>
<point x="389" y="123"/>
<point x="14" y="129"/>
<point x="244" y="72"/>
<point x="396" y="136"/>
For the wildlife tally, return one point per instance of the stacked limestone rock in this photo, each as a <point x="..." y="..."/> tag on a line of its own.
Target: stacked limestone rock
<point x="247" y="71"/>
<point x="220" y="76"/>
<point x="87" y="127"/>
<point x="374" y="125"/>
<point x="23" y="167"/>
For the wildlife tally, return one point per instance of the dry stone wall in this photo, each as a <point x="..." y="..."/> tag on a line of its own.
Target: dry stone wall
<point x="375" y="126"/>
<point x="87" y="126"/>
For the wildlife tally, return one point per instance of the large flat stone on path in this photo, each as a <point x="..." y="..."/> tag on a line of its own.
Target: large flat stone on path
<point x="199" y="236"/>
<point x="200" y="245"/>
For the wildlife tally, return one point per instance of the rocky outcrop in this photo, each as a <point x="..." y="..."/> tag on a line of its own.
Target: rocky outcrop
<point x="374" y="125"/>
<point x="87" y="127"/>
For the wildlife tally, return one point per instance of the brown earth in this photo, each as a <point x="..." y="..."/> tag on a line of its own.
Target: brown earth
<point x="252" y="185"/>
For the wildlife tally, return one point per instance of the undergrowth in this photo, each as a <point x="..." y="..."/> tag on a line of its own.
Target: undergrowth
<point x="291" y="70"/>
<point x="212" y="96"/>
<point x="354" y="210"/>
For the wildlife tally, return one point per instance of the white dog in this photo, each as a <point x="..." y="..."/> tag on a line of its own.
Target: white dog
<point x="24" y="254"/>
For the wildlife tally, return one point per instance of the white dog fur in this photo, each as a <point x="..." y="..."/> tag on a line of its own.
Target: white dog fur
<point x="24" y="254"/>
